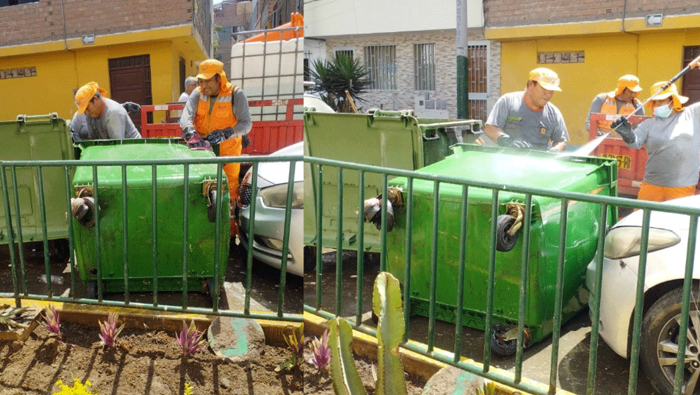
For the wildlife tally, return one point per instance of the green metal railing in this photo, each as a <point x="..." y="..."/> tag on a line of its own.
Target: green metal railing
<point x="606" y="203"/>
<point x="12" y="205"/>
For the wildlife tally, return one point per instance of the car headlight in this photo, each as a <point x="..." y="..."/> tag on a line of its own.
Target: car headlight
<point x="625" y="241"/>
<point x="276" y="196"/>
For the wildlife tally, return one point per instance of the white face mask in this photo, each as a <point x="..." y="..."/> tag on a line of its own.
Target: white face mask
<point x="663" y="111"/>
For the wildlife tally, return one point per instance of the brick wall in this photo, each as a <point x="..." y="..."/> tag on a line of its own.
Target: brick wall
<point x="505" y="13"/>
<point x="445" y="64"/>
<point x="43" y="21"/>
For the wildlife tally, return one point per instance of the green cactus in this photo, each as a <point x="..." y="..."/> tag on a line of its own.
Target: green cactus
<point x="387" y="305"/>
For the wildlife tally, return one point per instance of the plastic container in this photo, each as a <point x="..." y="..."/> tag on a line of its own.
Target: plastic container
<point x="42" y="137"/>
<point x="508" y="166"/>
<point x="170" y="180"/>
<point x="389" y="139"/>
<point x="269" y="70"/>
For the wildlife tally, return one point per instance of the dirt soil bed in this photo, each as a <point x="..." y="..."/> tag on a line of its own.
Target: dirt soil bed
<point x="319" y="382"/>
<point x="145" y="362"/>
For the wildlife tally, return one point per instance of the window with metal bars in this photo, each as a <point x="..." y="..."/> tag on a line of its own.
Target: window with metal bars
<point x="424" y="67"/>
<point x="380" y="62"/>
<point x="344" y="51"/>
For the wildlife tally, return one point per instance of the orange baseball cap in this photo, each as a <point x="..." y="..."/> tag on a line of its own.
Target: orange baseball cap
<point x="85" y="94"/>
<point x="628" y="81"/>
<point x="672" y="91"/>
<point x="546" y="77"/>
<point x="209" y="68"/>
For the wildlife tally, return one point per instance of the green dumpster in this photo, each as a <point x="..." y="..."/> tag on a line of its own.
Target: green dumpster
<point x="40" y="137"/>
<point x="170" y="210"/>
<point x="589" y="175"/>
<point x="383" y="138"/>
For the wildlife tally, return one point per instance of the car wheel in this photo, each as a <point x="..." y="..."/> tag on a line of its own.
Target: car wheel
<point x="659" y="345"/>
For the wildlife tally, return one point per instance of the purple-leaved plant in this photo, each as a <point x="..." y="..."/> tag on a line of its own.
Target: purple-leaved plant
<point x="53" y="321"/>
<point x="190" y="339"/>
<point x="109" y="331"/>
<point x="321" y="353"/>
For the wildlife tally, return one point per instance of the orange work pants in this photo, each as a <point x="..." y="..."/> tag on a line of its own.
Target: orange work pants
<point x="232" y="147"/>
<point x="656" y="193"/>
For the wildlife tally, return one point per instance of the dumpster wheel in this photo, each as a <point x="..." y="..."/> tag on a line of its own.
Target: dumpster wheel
<point x="499" y="344"/>
<point x="91" y="289"/>
<point x="504" y="241"/>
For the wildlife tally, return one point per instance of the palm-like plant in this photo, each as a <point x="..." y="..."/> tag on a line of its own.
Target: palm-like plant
<point x="333" y="78"/>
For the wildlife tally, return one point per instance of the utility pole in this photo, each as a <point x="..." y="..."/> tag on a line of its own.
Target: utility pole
<point x="462" y="61"/>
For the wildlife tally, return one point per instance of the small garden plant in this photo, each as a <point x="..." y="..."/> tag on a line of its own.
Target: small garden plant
<point x="53" y="321"/>
<point x="77" y="388"/>
<point x="321" y="353"/>
<point x="109" y="330"/>
<point x="387" y="305"/>
<point x="190" y="339"/>
<point x="295" y="343"/>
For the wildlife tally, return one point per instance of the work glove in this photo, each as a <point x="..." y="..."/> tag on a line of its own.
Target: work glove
<point x="219" y="136"/>
<point x="131" y="107"/>
<point x="553" y="150"/>
<point x="194" y="142"/>
<point x="245" y="141"/>
<point x="506" y="141"/>
<point x="624" y="129"/>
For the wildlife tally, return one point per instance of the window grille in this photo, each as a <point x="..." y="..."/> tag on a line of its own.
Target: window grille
<point x="424" y="67"/>
<point x="380" y="62"/>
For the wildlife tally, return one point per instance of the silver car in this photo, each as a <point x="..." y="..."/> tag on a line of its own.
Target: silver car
<point x="268" y="229"/>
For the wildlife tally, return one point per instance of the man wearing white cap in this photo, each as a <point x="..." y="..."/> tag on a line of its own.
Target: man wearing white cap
<point x="672" y="140"/>
<point x="527" y="119"/>
<point x="623" y="101"/>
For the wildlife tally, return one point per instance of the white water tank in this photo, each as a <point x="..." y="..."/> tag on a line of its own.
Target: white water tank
<point x="271" y="70"/>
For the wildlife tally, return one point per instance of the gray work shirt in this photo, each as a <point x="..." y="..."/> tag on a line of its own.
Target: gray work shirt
<point x="597" y="104"/>
<point x="79" y="127"/>
<point x="673" y="146"/>
<point x="114" y="124"/>
<point x="516" y="119"/>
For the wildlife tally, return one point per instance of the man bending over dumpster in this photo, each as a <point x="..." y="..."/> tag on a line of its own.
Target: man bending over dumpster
<point x="217" y="113"/>
<point x="527" y="119"/>
<point x="105" y="118"/>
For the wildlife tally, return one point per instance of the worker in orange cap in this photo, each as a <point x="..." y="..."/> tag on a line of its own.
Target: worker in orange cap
<point x="672" y="141"/>
<point x="527" y="119"/>
<point x="623" y="101"/>
<point x="105" y="118"/>
<point x="217" y="113"/>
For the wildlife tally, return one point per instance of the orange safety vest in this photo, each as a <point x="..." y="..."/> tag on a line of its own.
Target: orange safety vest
<point x="221" y="116"/>
<point x="610" y="107"/>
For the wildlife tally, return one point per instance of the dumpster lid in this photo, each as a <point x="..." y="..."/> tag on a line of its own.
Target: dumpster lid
<point x="515" y="166"/>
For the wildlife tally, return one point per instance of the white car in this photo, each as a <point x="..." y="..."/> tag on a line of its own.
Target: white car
<point x="268" y="229"/>
<point x="663" y="287"/>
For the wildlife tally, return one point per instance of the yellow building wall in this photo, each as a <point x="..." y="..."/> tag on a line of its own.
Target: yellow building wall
<point x="59" y="74"/>
<point x="650" y="56"/>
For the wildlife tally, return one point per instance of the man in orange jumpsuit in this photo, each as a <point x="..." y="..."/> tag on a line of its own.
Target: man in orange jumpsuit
<point x="217" y="113"/>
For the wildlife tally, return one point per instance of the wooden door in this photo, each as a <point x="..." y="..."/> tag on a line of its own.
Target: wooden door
<point x="691" y="79"/>
<point x="130" y="80"/>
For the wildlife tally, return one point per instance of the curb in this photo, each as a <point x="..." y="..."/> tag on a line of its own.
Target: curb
<point x="150" y="319"/>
